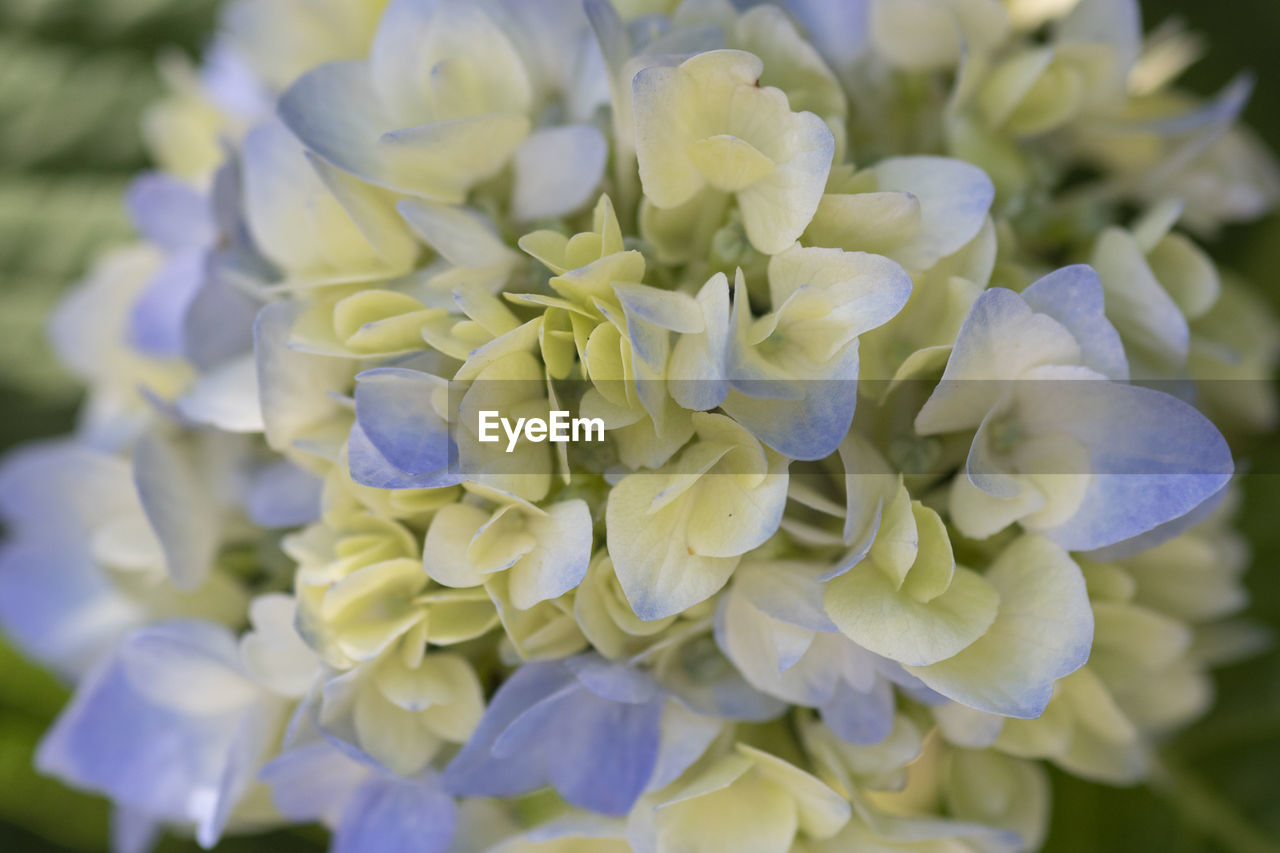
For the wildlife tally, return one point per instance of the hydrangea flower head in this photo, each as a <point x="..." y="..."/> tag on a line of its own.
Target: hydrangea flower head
<point x="910" y="475"/>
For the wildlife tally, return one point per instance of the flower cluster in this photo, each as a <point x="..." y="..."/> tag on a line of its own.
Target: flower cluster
<point x="907" y="354"/>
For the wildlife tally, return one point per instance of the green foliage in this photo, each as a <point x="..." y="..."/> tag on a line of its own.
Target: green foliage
<point x="65" y="107"/>
<point x="75" y="78"/>
<point x="120" y="24"/>
<point x="50" y="228"/>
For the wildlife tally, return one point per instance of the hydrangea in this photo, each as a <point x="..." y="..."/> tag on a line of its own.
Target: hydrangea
<point x="912" y="478"/>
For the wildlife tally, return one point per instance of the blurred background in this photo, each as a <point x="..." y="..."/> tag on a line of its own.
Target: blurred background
<point x="75" y="79"/>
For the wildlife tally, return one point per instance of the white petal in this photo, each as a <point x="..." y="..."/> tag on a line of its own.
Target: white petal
<point x="656" y="567"/>
<point x="955" y="198"/>
<point x="226" y="397"/>
<point x="293" y="386"/>
<point x="870" y="611"/>
<point x="1042" y="632"/>
<point x="559" y="562"/>
<point x="181" y="507"/>
<point x="557" y="171"/>
<point x="336" y="113"/>
<point x="444" y="551"/>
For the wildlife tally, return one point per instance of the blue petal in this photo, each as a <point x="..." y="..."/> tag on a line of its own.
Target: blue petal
<point x="861" y="718"/>
<point x="156" y="321"/>
<point x="370" y="468"/>
<point x="115" y="739"/>
<point x="394" y="410"/>
<point x="605" y="752"/>
<point x="284" y="495"/>
<point x="612" y="681"/>
<point x="170" y="213"/>
<point x="475" y="771"/>
<point x="1073" y="296"/>
<point x="839" y="29"/>
<point x="228" y="79"/>
<point x="218" y="324"/>
<point x="391" y="815"/>
<point x="544" y="728"/>
<point x="55" y="488"/>
<point x="809" y="428"/>
<point x="1163" y="533"/>
<point x="313" y="782"/>
<point x="335" y="112"/>
<point x="58" y="606"/>
<point x="1154" y="459"/>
